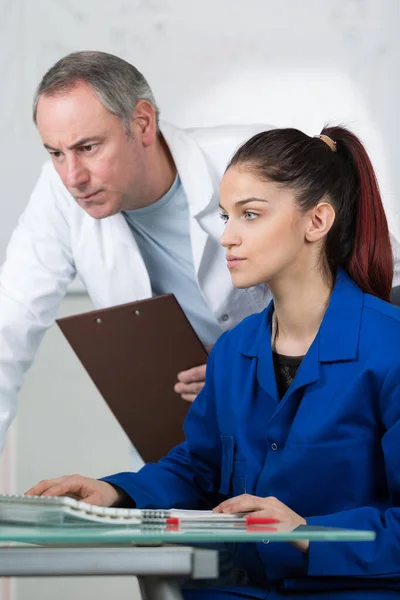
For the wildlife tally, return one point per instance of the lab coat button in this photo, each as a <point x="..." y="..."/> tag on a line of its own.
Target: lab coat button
<point x="225" y="317"/>
<point x="274" y="446"/>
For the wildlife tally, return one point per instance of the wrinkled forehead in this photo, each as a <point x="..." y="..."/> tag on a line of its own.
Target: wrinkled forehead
<point x="64" y="116"/>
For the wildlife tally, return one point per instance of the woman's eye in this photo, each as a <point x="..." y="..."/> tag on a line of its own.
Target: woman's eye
<point x="250" y="216"/>
<point x="223" y="217"/>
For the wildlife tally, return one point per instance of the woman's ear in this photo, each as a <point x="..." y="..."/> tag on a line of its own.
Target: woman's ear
<point x="322" y="218"/>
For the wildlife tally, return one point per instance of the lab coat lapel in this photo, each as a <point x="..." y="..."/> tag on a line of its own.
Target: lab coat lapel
<point x="132" y="273"/>
<point x="110" y="262"/>
<point x="196" y="182"/>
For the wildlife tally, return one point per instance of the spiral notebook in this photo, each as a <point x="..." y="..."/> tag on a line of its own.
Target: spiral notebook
<point x="133" y="353"/>
<point x="62" y="510"/>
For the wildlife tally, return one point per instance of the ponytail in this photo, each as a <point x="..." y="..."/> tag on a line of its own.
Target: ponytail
<point x="334" y="165"/>
<point x="371" y="261"/>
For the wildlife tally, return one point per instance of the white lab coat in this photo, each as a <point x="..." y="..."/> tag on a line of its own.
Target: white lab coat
<point x="55" y="239"/>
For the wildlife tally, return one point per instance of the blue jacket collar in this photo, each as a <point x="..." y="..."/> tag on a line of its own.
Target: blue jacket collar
<point x="338" y="336"/>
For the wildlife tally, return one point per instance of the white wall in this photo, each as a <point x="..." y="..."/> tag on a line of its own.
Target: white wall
<point x="291" y="62"/>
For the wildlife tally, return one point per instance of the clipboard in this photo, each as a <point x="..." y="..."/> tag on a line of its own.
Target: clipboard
<point x="133" y="353"/>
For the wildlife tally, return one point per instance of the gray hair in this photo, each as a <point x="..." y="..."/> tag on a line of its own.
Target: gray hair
<point x="117" y="84"/>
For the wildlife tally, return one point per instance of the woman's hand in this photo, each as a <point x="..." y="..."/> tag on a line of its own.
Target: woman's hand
<point x="268" y="508"/>
<point x="86" y="489"/>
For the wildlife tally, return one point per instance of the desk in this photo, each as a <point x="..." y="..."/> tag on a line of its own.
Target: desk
<point x="112" y="550"/>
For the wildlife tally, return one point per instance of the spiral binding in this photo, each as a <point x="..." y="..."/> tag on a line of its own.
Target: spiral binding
<point x="150" y="515"/>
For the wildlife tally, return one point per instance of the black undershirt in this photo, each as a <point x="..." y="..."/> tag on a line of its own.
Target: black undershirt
<point x="285" y="368"/>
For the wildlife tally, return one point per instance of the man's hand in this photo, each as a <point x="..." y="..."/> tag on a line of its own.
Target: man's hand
<point x="86" y="489"/>
<point x="269" y="508"/>
<point x="191" y="382"/>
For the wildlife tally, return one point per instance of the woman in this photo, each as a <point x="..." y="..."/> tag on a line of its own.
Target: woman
<point x="299" y="417"/>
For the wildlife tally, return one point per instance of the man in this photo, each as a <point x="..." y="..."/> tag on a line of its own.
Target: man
<point x="128" y="204"/>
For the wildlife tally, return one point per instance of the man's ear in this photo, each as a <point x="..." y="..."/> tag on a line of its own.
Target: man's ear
<point x="144" y="122"/>
<point x="322" y="217"/>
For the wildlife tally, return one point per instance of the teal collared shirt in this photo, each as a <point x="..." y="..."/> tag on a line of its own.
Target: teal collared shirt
<point x="330" y="449"/>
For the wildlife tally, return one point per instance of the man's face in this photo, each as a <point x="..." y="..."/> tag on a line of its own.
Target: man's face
<point x="99" y="164"/>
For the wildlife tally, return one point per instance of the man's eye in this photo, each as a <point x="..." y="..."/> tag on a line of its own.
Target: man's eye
<point x="223" y="217"/>
<point x="55" y="154"/>
<point x="88" y="147"/>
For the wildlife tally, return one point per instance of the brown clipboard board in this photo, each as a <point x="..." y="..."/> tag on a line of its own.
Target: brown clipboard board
<point x="133" y="353"/>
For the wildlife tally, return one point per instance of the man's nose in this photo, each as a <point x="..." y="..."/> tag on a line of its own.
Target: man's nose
<point x="76" y="174"/>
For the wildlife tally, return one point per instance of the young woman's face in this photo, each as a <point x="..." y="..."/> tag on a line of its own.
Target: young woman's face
<point x="265" y="232"/>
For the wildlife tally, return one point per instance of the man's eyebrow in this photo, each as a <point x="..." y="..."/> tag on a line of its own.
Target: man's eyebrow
<point x="246" y="201"/>
<point x="83" y="142"/>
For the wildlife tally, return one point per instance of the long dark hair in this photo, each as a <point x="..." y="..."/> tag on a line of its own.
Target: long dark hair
<point x="341" y="170"/>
